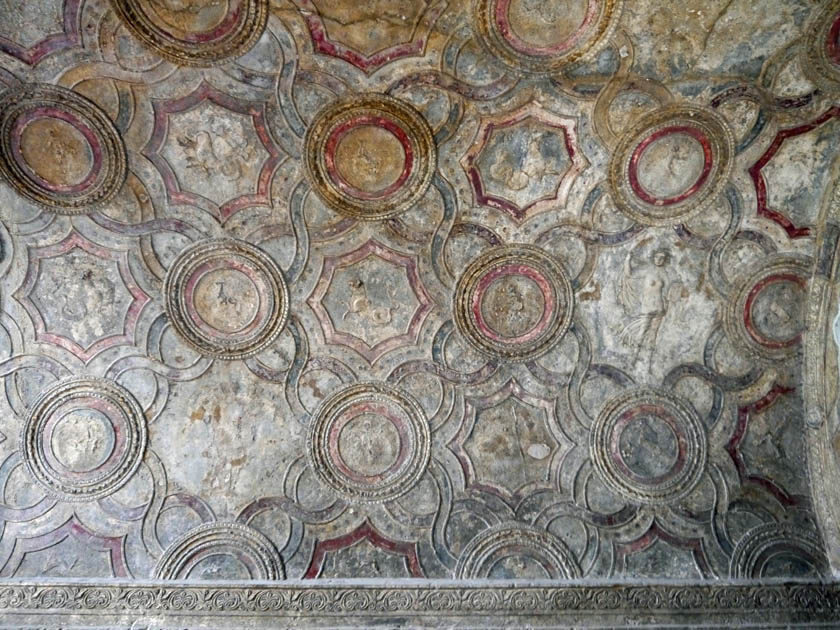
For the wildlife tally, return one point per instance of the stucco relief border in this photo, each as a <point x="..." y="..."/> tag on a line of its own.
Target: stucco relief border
<point x="821" y="376"/>
<point x="406" y="603"/>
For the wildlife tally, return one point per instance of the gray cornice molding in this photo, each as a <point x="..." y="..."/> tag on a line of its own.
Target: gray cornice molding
<point x="407" y="603"/>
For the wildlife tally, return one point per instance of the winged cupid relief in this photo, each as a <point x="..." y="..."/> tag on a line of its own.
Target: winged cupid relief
<point x="646" y="293"/>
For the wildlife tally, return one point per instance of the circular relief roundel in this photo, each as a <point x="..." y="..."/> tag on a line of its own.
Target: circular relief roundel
<point x="768" y="550"/>
<point x="671" y="164"/>
<point x="822" y="47"/>
<point x="543" y="37"/>
<point x="84" y="438"/>
<point x="195" y="32"/>
<point x="513" y="302"/>
<point x="369" y="442"/>
<point x="226" y="298"/>
<point x="370" y="157"/>
<point x="233" y="547"/>
<point x="508" y="549"/>
<point x="59" y="149"/>
<point x="649" y="446"/>
<point x="766" y="314"/>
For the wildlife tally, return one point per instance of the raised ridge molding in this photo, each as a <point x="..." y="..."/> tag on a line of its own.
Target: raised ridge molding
<point x="69" y="605"/>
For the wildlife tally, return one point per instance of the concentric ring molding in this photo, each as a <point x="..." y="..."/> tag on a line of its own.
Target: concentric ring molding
<point x="492" y="24"/>
<point x="690" y="433"/>
<point x="234" y="254"/>
<point x="100" y="481"/>
<point x="718" y="145"/>
<point x="415" y="442"/>
<point x="761" y="543"/>
<point x="482" y="552"/>
<point x="514" y="260"/>
<point x="404" y="123"/>
<point x="821" y="57"/>
<point x="737" y="317"/>
<point x="217" y="539"/>
<point x="245" y="27"/>
<point x="20" y="107"/>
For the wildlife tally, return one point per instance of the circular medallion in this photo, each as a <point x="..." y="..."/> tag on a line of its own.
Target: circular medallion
<point x="513" y="302"/>
<point x="821" y="63"/>
<point x="516" y="551"/>
<point x="369" y="443"/>
<point x="649" y="447"/>
<point x="84" y="438"/>
<point x="778" y="550"/>
<point x="544" y="37"/>
<point x="59" y="149"/>
<point x="219" y="551"/>
<point x="370" y="157"/>
<point x="195" y="32"/>
<point x="766" y="313"/>
<point x="226" y="298"/>
<point x="671" y="165"/>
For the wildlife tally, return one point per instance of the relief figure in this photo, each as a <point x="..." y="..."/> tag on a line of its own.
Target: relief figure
<point x="646" y="293"/>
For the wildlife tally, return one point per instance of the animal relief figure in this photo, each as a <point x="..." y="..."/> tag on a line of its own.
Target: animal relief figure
<point x="224" y="298"/>
<point x="512" y="303"/>
<point x="534" y="167"/>
<point x="215" y="156"/>
<point x="59" y="146"/>
<point x="646" y="294"/>
<point x="369" y="163"/>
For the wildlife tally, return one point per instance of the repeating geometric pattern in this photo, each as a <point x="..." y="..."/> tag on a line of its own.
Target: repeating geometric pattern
<point x="332" y="289"/>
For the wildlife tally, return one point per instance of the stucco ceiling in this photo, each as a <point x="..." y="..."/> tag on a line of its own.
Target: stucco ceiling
<point x="503" y="289"/>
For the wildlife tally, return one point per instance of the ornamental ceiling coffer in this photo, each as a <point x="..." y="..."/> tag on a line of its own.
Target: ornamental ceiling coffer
<point x="419" y="313"/>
